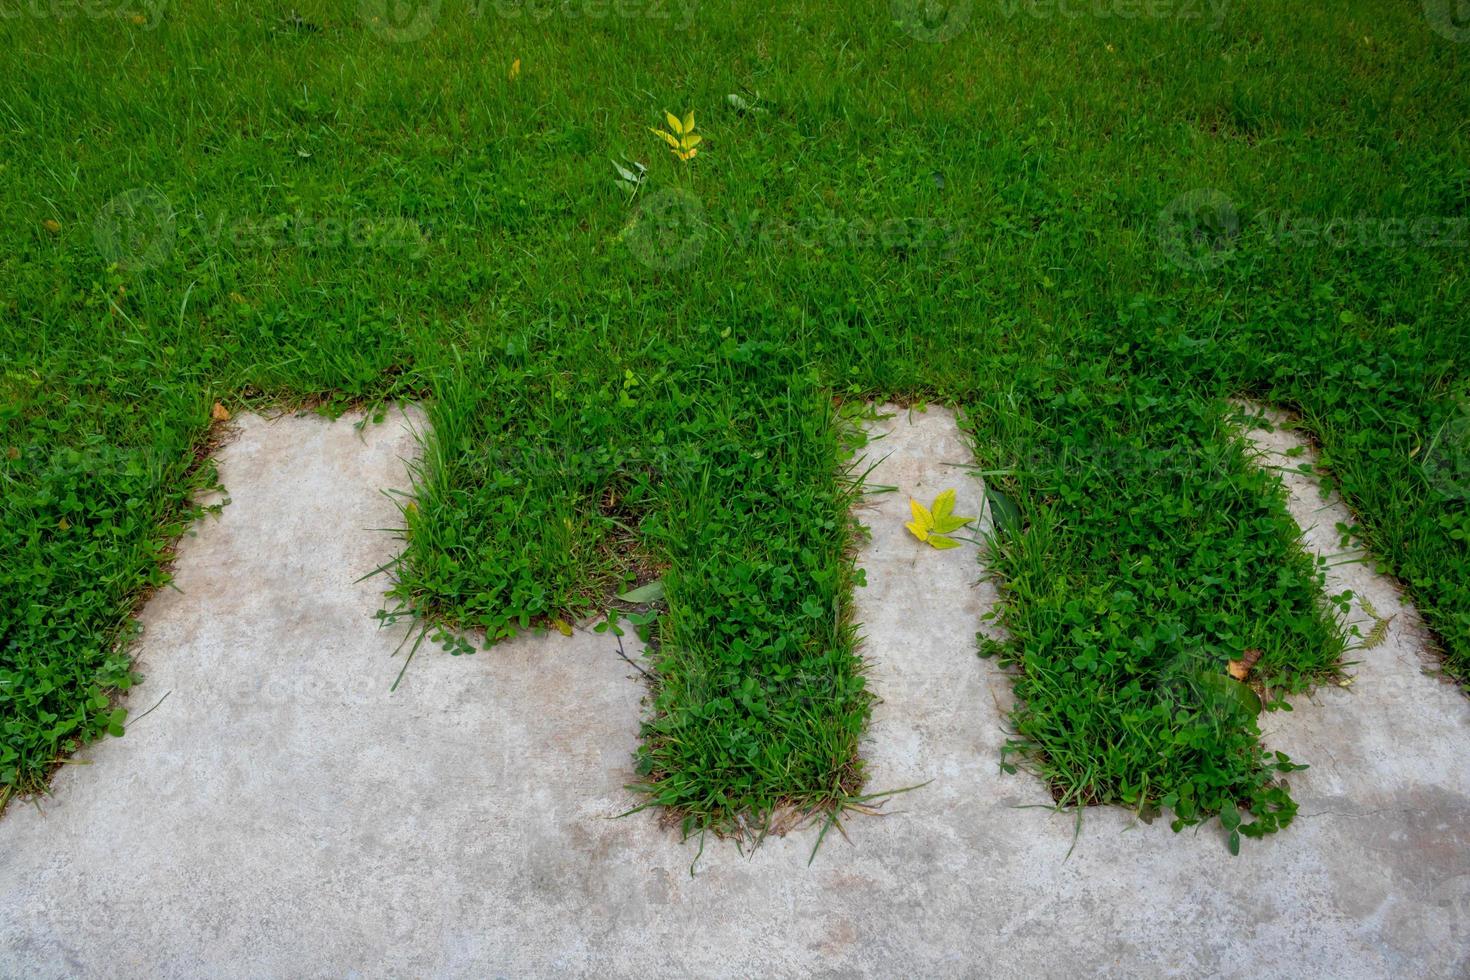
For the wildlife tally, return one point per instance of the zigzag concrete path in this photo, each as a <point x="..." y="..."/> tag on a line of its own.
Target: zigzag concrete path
<point x="281" y="813"/>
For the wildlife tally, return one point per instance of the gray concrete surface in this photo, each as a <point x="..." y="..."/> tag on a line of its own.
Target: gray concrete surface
<point x="282" y="814"/>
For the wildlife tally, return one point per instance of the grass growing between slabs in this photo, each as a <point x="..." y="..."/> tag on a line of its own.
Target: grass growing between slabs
<point x="721" y="480"/>
<point x="284" y="204"/>
<point x="1153" y="555"/>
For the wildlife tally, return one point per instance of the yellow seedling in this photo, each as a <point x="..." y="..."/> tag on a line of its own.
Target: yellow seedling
<point x="932" y="525"/>
<point x="515" y="70"/>
<point x="683" y="140"/>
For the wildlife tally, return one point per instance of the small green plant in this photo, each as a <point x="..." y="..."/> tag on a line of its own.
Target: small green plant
<point x="683" y="141"/>
<point x="630" y="178"/>
<point x="934" y="525"/>
<point x="1379" y="632"/>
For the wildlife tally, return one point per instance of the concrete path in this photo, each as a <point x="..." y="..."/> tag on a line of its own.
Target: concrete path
<point x="281" y="814"/>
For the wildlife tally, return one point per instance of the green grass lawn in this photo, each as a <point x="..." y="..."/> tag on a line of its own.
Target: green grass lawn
<point x="1085" y="225"/>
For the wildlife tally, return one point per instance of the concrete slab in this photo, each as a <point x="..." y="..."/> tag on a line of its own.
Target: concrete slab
<point x="282" y="814"/>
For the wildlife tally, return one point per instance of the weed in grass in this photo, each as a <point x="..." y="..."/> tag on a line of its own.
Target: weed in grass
<point x="683" y="140"/>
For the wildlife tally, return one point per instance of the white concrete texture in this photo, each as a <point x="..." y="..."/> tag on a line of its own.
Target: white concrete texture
<point x="281" y="814"/>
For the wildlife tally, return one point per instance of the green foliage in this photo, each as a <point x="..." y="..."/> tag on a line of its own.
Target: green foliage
<point x="1153" y="553"/>
<point x="332" y="216"/>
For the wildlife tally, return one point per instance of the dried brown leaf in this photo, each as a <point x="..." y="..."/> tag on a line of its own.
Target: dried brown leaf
<point x="1241" y="669"/>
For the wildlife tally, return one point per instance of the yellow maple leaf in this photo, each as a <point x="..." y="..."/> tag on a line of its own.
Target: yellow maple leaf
<point x="932" y="525"/>
<point x="923" y="521"/>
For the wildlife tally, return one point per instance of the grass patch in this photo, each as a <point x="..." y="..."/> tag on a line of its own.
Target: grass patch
<point x="1087" y="232"/>
<point x="1153" y="553"/>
